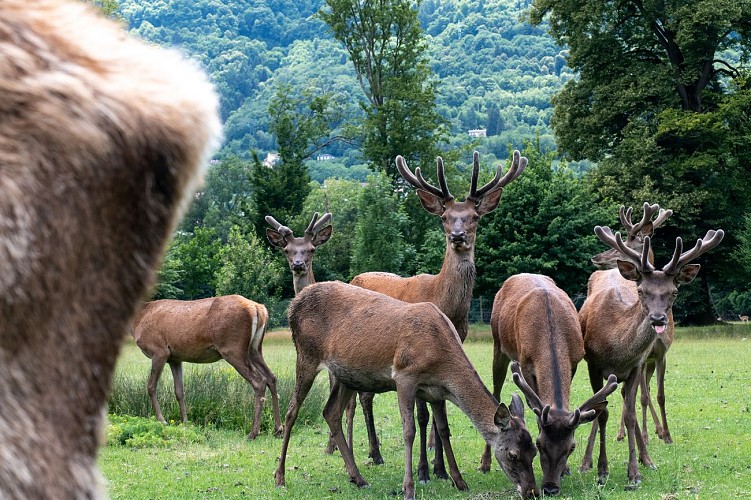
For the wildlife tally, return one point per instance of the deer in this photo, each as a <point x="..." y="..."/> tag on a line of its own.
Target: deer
<point x="374" y="343"/>
<point x="103" y="141"/>
<point x="299" y="253"/>
<point x="535" y="323"/>
<point x="743" y="317"/>
<point x="228" y="327"/>
<point x="656" y="361"/>
<point x="621" y="323"/>
<point x="450" y="289"/>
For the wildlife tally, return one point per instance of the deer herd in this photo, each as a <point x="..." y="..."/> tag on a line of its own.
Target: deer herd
<point x="96" y="169"/>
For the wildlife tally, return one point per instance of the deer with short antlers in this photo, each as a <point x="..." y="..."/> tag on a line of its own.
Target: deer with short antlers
<point x="374" y="343"/>
<point x="620" y="325"/>
<point x="536" y="324"/>
<point x="450" y="289"/>
<point x="229" y="327"/>
<point x="299" y="252"/>
<point x="103" y="140"/>
<point x="655" y="362"/>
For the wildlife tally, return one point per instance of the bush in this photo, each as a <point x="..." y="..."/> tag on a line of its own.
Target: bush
<point x="138" y="432"/>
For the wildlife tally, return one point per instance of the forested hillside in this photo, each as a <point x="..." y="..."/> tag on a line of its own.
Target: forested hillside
<point x="495" y="71"/>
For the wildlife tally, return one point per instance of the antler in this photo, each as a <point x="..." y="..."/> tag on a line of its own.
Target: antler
<point x="662" y="216"/>
<point x="586" y="409"/>
<point x="710" y="240"/>
<point x="278" y="227"/>
<point x="419" y="182"/>
<point x="633" y="229"/>
<point x="316" y="225"/>
<point x="518" y="165"/>
<point x="615" y="241"/>
<point x="533" y="400"/>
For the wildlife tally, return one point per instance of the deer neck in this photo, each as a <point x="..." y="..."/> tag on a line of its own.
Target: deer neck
<point x="475" y="401"/>
<point x="300" y="281"/>
<point x="455" y="282"/>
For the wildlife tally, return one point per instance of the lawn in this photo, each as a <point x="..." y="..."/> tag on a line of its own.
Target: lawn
<point x="708" y="393"/>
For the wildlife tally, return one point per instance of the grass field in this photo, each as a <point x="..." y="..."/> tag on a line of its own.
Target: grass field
<point x="708" y="393"/>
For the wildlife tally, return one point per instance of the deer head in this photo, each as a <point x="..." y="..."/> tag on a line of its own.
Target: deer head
<point x="658" y="289"/>
<point x="299" y="251"/>
<point x="513" y="447"/>
<point x="636" y="233"/>
<point x="460" y="217"/>
<point x="555" y="441"/>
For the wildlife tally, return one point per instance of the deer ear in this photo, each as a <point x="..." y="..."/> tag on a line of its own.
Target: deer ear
<point x="322" y="236"/>
<point x="517" y="407"/>
<point x="275" y="238"/>
<point x="503" y="417"/>
<point x="687" y="274"/>
<point x="489" y="202"/>
<point x="628" y="270"/>
<point x="431" y="202"/>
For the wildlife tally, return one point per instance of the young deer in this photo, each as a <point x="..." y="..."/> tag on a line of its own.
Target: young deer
<point x="535" y="323"/>
<point x="299" y="253"/>
<point x="656" y="359"/>
<point x="102" y="141"/>
<point x="229" y="327"/>
<point x="374" y="343"/>
<point x="451" y="288"/>
<point x="621" y="323"/>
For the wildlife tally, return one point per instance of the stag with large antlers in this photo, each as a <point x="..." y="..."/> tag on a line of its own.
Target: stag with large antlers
<point x="374" y="343"/>
<point x="655" y="362"/>
<point x="451" y="288"/>
<point x="535" y="323"/>
<point x="229" y="327"/>
<point x="103" y="140"/>
<point x="299" y="253"/>
<point x="621" y="323"/>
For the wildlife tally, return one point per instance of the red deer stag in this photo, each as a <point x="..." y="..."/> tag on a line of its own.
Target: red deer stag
<point x="103" y="139"/>
<point x="299" y="253"/>
<point x="374" y="343"/>
<point x="451" y="288"/>
<point x="656" y="359"/>
<point x="621" y="322"/>
<point x="535" y="323"/>
<point x="230" y="327"/>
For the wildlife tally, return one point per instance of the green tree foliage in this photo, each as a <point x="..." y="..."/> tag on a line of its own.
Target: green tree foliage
<point x="379" y="243"/>
<point x="198" y="254"/>
<point x="544" y="224"/>
<point x="388" y="50"/>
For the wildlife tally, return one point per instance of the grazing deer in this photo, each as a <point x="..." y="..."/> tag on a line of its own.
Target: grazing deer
<point x="299" y="253"/>
<point x="743" y="318"/>
<point x="621" y="323"/>
<point x="229" y="327"/>
<point x="103" y="139"/>
<point x="374" y="343"/>
<point x="656" y="360"/>
<point x="535" y="323"/>
<point x="451" y="288"/>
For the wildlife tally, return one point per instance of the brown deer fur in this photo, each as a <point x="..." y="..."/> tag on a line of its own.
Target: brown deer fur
<point x="451" y="288"/>
<point x="102" y="139"/>
<point x="374" y="343"/>
<point x="620" y="325"/>
<point x="535" y="323"/>
<point x="230" y="327"/>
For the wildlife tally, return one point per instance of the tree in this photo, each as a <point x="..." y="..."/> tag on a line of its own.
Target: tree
<point x="387" y="47"/>
<point x="658" y="106"/>
<point x="379" y="243"/>
<point x="199" y="253"/>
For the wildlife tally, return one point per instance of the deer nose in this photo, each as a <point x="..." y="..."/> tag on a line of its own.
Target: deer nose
<point x="658" y="319"/>
<point x="550" y="489"/>
<point x="298" y="265"/>
<point x="458" y="235"/>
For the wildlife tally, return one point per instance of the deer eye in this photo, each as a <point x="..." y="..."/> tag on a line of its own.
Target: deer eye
<point x="475" y="217"/>
<point x="444" y="218"/>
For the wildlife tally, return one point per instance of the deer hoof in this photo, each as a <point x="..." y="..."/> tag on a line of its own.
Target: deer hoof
<point x="633" y="485"/>
<point x="279" y="479"/>
<point x="279" y="431"/>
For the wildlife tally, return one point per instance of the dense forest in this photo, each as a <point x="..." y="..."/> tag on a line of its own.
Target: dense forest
<point x="599" y="127"/>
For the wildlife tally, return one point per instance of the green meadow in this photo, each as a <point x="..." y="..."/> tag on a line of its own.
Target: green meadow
<point x="708" y="393"/>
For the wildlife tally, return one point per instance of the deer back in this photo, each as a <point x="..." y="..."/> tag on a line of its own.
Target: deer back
<point x="106" y="139"/>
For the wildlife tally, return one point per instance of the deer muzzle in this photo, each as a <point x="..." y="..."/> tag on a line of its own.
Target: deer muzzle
<point x="659" y="322"/>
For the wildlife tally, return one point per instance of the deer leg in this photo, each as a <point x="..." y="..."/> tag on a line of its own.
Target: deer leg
<point x="350" y="412"/>
<point x="661" y="365"/>
<point x="374" y="452"/>
<point x="304" y="377"/>
<point x="257" y="379"/>
<point x="331" y="445"/>
<point x="595" y="380"/>
<point x="439" y="466"/>
<point x="406" y="398"/>
<point x="260" y="363"/>
<point x="646" y="402"/>
<point x="630" y="386"/>
<point x="339" y="399"/>
<point x="444" y="436"/>
<point x="177" y="379"/>
<point x="157" y="365"/>
<point x="500" y="366"/>
<point x="423" y="417"/>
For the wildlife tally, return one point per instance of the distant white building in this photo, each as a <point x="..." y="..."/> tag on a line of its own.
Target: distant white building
<point x="478" y="132"/>
<point x="271" y="160"/>
<point x="324" y="157"/>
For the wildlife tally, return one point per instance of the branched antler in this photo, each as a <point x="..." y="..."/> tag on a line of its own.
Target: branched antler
<point x="316" y="225"/>
<point x="418" y="181"/>
<point x="615" y="241"/>
<point x="278" y="227"/>
<point x="589" y="407"/>
<point x="533" y="400"/>
<point x="710" y="240"/>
